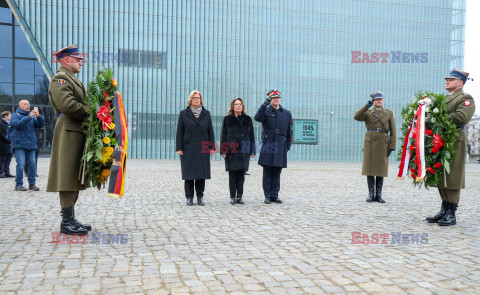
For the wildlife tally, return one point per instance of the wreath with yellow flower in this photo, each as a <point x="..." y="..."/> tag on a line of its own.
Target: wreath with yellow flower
<point x="99" y="128"/>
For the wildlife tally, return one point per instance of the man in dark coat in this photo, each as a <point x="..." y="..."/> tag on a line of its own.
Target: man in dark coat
<point x="377" y="145"/>
<point x="66" y="94"/>
<point x="460" y="108"/>
<point x="5" y="146"/>
<point x="24" y="142"/>
<point x="276" y="141"/>
<point x="195" y="143"/>
<point x="237" y="146"/>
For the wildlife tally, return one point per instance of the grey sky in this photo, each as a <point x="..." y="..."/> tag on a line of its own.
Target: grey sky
<point x="472" y="51"/>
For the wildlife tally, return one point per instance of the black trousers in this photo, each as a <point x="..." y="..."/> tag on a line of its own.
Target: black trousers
<point x="5" y="160"/>
<point x="236" y="179"/>
<point x="271" y="181"/>
<point x="197" y="184"/>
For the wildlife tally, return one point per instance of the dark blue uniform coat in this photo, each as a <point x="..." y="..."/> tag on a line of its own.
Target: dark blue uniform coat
<point x="276" y="135"/>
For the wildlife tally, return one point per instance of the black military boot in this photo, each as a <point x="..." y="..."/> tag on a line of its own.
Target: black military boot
<point x="68" y="226"/>
<point x="371" y="188"/>
<point x="439" y="215"/>
<point x="449" y="218"/>
<point x="240" y="200"/>
<point x="267" y="200"/>
<point x="232" y="200"/>
<point x="190" y="201"/>
<point x="378" y="189"/>
<point x="200" y="201"/>
<point x="277" y="200"/>
<point x="88" y="227"/>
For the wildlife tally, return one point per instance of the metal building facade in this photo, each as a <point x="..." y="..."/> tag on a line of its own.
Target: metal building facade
<point x="325" y="57"/>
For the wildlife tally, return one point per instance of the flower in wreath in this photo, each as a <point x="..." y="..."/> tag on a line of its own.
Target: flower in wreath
<point x="430" y="170"/>
<point x="429" y="132"/>
<point x="106" y="140"/>
<point x="107" y="103"/>
<point x="105" y="173"/>
<point x="114" y="83"/>
<point x="102" y="113"/>
<point x="437" y="141"/>
<point x="107" y="153"/>
<point x="105" y="94"/>
<point x="111" y="126"/>
<point x="106" y="123"/>
<point x="435" y="150"/>
<point x="437" y="165"/>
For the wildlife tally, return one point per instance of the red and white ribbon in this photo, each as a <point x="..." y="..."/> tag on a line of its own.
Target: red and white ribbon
<point x="418" y="125"/>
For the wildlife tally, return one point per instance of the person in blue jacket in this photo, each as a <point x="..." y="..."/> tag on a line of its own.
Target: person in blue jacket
<point x="24" y="142"/>
<point x="276" y="141"/>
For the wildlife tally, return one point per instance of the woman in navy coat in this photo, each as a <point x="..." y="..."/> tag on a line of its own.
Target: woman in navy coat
<point x="195" y="143"/>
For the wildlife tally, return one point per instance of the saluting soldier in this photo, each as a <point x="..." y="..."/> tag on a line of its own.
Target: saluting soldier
<point x="276" y="141"/>
<point x="377" y="144"/>
<point x="460" y="108"/>
<point x="66" y="94"/>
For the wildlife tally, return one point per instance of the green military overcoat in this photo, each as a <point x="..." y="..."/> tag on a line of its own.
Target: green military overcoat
<point x="66" y="94"/>
<point x="376" y="144"/>
<point x="460" y="108"/>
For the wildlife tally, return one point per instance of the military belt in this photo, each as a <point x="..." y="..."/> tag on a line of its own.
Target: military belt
<point x="378" y="130"/>
<point x="275" y="131"/>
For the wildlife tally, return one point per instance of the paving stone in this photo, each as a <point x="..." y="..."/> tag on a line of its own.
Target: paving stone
<point x="303" y="246"/>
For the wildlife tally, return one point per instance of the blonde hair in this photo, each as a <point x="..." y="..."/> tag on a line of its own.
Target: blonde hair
<point x="190" y="97"/>
<point x="232" y="105"/>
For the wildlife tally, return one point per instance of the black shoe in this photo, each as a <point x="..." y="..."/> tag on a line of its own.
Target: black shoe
<point x="378" y="189"/>
<point x="7" y="174"/>
<point x="190" y="201"/>
<point x="439" y="215"/>
<point x="267" y="200"/>
<point x="88" y="227"/>
<point x="371" y="188"/>
<point x="68" y="226"/>
<point x="240" y="201"/>
<point x="277" y="200"/>
<point x="2" y="175"/>
<point x="200" y="201"/>
<point x="20" y="188"/>
<point x="33" y="187"/>
<point x="232" y="200"/>
<point x="449" y="218"/>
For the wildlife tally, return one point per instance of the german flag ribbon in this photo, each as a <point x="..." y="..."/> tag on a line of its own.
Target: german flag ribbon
<point x="117" y="177"/>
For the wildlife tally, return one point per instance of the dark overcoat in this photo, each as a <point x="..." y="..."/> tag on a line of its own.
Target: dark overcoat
<point x="195" y="138"/>
<point x="5" y="147"/>
<point x="237" y="142"/>
<point x="460" y="108"/>
<point x="276" y="135"/>
<point x="376" y="144"/>
<point x="66" y="94"/>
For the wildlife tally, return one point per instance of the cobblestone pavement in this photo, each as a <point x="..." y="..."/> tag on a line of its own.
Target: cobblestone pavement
<point x="303" y="246"/>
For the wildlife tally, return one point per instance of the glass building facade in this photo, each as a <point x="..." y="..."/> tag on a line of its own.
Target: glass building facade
<point x="325" y="57"/>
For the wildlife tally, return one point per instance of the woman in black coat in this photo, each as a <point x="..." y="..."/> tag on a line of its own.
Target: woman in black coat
<point x="195" y="144"/>
<point x="237" y="146"/>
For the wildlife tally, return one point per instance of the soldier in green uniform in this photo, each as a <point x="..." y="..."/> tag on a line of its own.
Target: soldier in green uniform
<point x="460" y="108"/>
<point x="66" y="94"/>
<point x="377" y="145"/>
